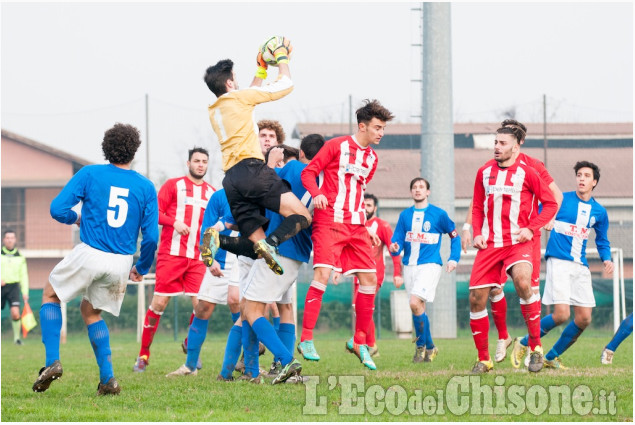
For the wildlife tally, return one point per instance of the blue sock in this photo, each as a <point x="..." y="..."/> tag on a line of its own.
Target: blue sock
<point x="546" y="324"/>
<point x="250" y="350"/>
<point x="235" y="316"/>
<point x="287" y="335"/>
<point x="100" y="340"/>
<point x="568" y="337"/>
<point x="232" y="351"/>
<point x="427" y="333"/>
<point x="51" y="322"/>
<point x="195" y="338"/>
<point x="276" y="323"/>
<point x="625" y="329"/>
<point x="419" y="329"/>
<point x="267" y="334"/>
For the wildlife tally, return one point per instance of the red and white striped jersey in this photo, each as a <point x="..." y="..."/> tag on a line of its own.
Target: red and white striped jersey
<point x="347" y="167"/>
<point x="180" y="199"/>
<point x="504" y="202"/>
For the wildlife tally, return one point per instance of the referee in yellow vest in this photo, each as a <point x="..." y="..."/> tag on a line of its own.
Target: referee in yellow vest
<point x="14" y="278"/>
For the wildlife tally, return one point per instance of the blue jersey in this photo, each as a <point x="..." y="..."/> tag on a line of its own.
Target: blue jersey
<point x="218" y="210"/>
<point x="419" y="233"/>
<point x="574" y="221"/>
<point x="116" y="203"/>
<point x="298" y="247"/>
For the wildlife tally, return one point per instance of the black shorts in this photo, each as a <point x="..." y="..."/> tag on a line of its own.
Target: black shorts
<point x="251" y="187"/>
<point x="11" y="293"/>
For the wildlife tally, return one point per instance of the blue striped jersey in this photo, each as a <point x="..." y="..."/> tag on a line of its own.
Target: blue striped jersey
<point x="419" y="232"/>
<point x="218" y="210"/>
<point x="574" y="221"/>
<point x="116" y="204"/>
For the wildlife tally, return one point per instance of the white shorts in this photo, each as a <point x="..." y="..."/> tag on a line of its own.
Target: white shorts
<point x="265" y="286"/>
<point x="422" y="280"/>
<point x="100" y="277"/>
<point x="240" y="272"/>
<point x="568" y="283"/>
<point x="214" y="289"/>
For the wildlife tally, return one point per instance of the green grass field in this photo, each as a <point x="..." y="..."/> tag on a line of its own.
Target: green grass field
<point x="398" y="391"/>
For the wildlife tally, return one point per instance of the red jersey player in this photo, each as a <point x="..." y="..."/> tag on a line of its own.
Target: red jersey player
<point x="180" y="269"/>
<point x="381" y="233"/>
<point x="504" y="222"/>
<point x="339" y="235"/>
<point x="496" y="295"/>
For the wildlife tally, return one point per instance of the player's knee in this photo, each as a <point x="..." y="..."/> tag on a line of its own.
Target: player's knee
<point x="204" y="310"/>
<point x="321" y="274"/>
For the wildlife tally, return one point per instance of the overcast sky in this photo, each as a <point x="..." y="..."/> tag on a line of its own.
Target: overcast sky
<point x="70" y="71"/>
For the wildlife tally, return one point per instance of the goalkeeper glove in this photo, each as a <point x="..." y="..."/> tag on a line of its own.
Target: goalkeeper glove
<point x="261" y="71"/>
<point x="282" y="52"/>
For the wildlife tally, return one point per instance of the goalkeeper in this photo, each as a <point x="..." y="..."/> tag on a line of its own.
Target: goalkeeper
<point x="251" y="186"/>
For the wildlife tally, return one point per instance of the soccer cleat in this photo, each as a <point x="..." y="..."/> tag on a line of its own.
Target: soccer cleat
<point x="430" y="354"/>
<point x="349" y="345"/>
<point x="607" y="356"/>
<point x="373" y="351"/>
<point x="518" y="352"/>
<point x="240" y="364"/>
<point x="247" y="377"/>
<point x="294" y="367"/>
<point x="274" y="370"/>
<point x="109" y="388"/>
<point x="419" y="356"/>
<point x="361" y="351"/>
<point x="307" y="349"/>
<point x="501" y="349"/>
<point x="141" y="364"/>
<point x="482" y="366"/>
<point x="536" y="360"/>
<point x="261" y="349"/>
<point x="527" y="358"/>
<point x="209" y="246"/>
<point x="18" y="342"/>
<point x="223" y="379"/>
<point x="48" y="375"/>
<point x="182" y="371"/>
<point x="297" y="379"/>
<point x="266" y="251"/>
<point x="555" y="364"/>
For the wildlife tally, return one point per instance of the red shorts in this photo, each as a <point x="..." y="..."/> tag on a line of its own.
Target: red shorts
<point x="348" y="245"/>
<point x="490" y="263"/>
<point x="178" y="275"/>
<point x="536" y="258"/>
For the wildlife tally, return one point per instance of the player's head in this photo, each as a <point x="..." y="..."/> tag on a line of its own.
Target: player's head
<point x="221" y="78"/>
<point x="9" y="239"/>
<point x="270" y="133"/>
<point x="371" y="121"/>
<point x="419" y="189"/>
<point x="507" y="144"/>
<point x="370" y="205"/>
<point x="310" y="146"/>
<point x="288" y="153"/>
<point x="120" y="144"/>
<point x="587" y="176"/>
<point x="197" y="162"/>
<point x="513" y="123"/>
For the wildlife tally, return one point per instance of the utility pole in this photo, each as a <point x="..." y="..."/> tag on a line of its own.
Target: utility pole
<point x="437" y="145"/>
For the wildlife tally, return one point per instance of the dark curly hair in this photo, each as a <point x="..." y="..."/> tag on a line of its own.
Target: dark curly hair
<point x="216" y="76"/>
<point x="120" y="143"/>
<point x="511" y="123"/>
<point x="274" y="126"/>
<point x="373" y="109"/>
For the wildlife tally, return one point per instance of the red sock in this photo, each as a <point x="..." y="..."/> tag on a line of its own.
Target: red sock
<point x="499" y="313"/>
<point x="312" y="305"/>
<point x="370" y="335"/>
<point x="479" y="323"/>
<point x="150" y="325"/>
<point x="364" y="305"/>
<point x="530" y="310"/>
<point x="190" y="324"/>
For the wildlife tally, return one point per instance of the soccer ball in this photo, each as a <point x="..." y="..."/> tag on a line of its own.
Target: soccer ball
<point x="267" y="48"/>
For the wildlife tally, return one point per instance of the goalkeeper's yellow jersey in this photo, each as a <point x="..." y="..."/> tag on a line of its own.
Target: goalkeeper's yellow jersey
<point x="233" y="120"/>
